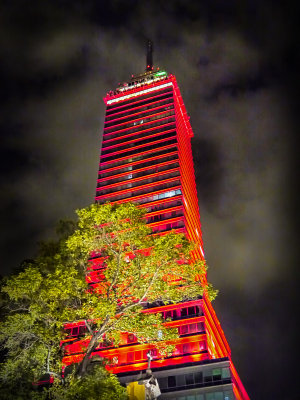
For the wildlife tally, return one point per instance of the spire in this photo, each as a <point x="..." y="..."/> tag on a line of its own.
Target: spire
<point x="149" y="60"/>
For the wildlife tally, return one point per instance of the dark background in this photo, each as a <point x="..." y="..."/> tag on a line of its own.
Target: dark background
<point x="236" y="64"/>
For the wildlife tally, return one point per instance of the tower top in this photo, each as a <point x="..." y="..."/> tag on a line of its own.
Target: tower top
<point x="149" y="59"/>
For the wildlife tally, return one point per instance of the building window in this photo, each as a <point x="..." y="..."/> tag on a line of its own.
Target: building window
<point x="191" y="328"/>
<point x="226" y="373"/>
<point x="75" y="331"/>
<point x="186" y="348"/>
<point x="171" y="381"/>
<point x="138" y="355"/>
<point x="217" y="374"/>
<point x="180" y="380"/>
<point x="163" y="383"/>
<point x="214" y="396"/>
<point x="130" y="357"/>
<point x="189" y="379"/>
<point x="207" y="377"/>
<point x="228" y="395"/>
<point x="198" y="377"/>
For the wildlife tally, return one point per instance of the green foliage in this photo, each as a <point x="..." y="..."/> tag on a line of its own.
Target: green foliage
<point x="97" y="384"/>
<point x="52" y="290"/>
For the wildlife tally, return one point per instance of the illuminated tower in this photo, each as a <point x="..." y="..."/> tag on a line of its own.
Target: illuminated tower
<point x="146" y="158"/>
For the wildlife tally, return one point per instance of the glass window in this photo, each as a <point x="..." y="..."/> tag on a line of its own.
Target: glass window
<point x="163" y="383"/>
<point x="75" y="331"/>
<point x="207" y="376"/>
<point x="171" y="381"/>
<point x="177" y="351"/>
<point x="186" y="348"/>
<point x="191" y="310"/>
<point x="228" y="395"/>
<point x="217" y="375"/>
<point x="200" y="327"/>
<point x="199" y="396"/>
<point x="82" y="329"/>
<point x="225" y="373"/>
<point x="176" y="314"/>
<point x="198" y="377"/>
<point x="202" y="345"/>
<point x="184" y="312"/>
<point x="194" y="346"/>
<point x="189" y="379"/>
<point x="184" y="329"/>
<point x="180" y="380"/>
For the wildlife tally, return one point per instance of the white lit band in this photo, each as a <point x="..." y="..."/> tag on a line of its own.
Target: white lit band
<point x="128" y="96"/>
<point x="202" y="252"/>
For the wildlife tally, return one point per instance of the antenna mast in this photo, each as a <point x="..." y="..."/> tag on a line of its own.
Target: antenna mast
<point x="149" y="59"/>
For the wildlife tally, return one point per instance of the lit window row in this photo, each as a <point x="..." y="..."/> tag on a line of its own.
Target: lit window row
<point x="142" y="191"/>
<point x="139" y="134"/>
<point x="79" y="330"/>
<point x="183" y="312"/>
<point x="76" y="331"/>
<point x="140" y="120"/>
<point x="143" y="156"/>
<point x="142" y="94"/>
<point x="128" y="184"/>
<point x="164" y="216"/>
<point x="153" y="162"/>
<point x="164" y="205"/>
<point x="151" y="170"/>
<point x="191" y="328"/>
<point x="138" y="141"/>
<point x="141" y="111"/>
<point x="139" y="149"/>
<point x="141" y="355"/>
<point x="217" y="375"/>
<point x="160" y="196"/>
<point x="137" y="106"/>
<point x="138" y="128"/>
<point x="167" y="227"/>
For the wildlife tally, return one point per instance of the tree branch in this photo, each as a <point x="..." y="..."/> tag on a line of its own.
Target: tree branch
<point x="88" y="327"/>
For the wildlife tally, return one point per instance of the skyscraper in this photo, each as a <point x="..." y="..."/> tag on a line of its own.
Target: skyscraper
<point x="146" y="158"/>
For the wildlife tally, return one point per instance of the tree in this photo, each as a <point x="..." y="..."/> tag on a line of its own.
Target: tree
<point x="135" y="267"/>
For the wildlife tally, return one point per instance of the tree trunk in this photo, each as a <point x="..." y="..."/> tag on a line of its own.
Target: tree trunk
<point x="82" y="368"/>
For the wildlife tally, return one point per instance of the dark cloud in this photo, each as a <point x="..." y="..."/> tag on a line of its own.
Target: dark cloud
<point x="235" y="65"/>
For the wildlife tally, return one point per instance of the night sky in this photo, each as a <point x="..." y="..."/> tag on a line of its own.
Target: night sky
<point x="235" y="62"/>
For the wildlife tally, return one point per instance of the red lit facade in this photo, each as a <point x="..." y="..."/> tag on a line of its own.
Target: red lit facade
<point x="146" y="157"/>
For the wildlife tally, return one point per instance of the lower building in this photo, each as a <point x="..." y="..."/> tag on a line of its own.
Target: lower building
<point x="205" y="380"/>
